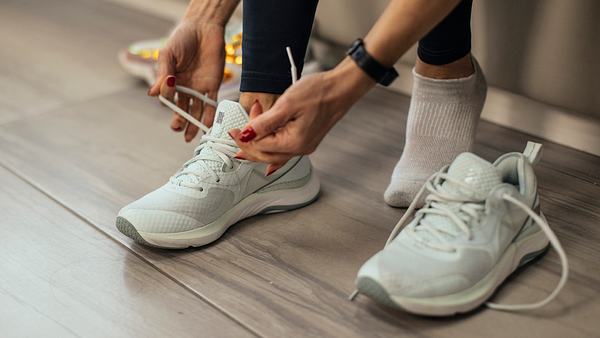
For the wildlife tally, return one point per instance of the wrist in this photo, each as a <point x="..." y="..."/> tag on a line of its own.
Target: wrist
<point x="353" y="81"/>
<point x="344" y="85"/>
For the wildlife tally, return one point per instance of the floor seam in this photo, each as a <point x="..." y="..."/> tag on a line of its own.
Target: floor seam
<point x="136" y="254"/>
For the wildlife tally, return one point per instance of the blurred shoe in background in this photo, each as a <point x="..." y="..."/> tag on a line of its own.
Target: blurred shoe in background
<point x="140" y="60"/>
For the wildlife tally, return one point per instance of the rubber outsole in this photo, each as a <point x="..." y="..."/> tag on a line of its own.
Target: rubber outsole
<point x="129" y="230"/>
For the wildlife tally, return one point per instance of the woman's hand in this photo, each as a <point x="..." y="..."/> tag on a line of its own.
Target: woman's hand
<point x="194" y="56"/>
<point x="302" y="116"/>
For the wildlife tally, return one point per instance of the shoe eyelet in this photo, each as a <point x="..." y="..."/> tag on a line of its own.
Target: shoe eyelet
<point x="218" y="180"/>
<point x="201" y="189"/>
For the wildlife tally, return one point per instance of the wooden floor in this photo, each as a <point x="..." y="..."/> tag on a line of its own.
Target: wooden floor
<point x="79" y="139"/>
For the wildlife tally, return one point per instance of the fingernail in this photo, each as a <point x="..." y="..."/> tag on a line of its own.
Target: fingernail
<point x="240" y="157"/>
<point x="228" y="133"/>
<point x="272" y="170"/>
<point x="247" y="135"/>
<point x="171" y="81"/>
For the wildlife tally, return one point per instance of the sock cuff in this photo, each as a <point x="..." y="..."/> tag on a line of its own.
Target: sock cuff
<point x="423" y="85"/>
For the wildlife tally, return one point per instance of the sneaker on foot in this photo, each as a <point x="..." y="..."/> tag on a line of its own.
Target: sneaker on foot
<point x="477" y="227"/>
<point x="213" y="191"/>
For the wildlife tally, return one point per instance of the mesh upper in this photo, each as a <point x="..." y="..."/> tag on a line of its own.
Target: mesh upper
<point x="229" y="115"/>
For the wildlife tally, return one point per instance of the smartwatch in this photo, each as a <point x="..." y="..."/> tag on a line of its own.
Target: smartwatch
<point x="378" y="72"/>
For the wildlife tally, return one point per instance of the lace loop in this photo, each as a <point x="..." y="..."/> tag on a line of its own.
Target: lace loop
<point x="223" y="149"/>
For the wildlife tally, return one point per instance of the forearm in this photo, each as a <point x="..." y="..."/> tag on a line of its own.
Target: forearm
<point x="402" y="24"/>
<point x="210" y="11"/>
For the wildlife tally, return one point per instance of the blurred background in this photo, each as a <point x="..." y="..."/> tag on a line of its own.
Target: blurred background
<point x="540" y="56"/>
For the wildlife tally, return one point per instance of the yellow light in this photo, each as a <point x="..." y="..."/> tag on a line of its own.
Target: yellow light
<point x="155" y="54"/>
<point x="145" y="54"/>
<point x="229" y="59"/>
<point x="229" y="49"/>
<point x="238" y="60"/>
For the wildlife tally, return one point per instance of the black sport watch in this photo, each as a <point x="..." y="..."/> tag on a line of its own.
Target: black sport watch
<point x="378" y="72"/>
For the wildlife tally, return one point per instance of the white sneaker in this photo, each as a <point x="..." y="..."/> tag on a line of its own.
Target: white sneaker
<point x="213" y="191"/>
<point x="476" y="228"/>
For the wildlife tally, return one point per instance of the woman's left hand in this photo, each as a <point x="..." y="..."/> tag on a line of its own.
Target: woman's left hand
<point x="301" y="117"/>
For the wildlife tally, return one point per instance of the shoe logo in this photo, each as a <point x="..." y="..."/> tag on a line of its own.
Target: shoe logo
<point x="220" y="117"/>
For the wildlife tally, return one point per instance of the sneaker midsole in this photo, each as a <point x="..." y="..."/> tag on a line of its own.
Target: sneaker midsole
<point x="253" y="204"/>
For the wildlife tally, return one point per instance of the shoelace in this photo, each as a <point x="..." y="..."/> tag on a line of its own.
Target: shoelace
<point x="222" y="148"/>
<point x="471" y="209"/>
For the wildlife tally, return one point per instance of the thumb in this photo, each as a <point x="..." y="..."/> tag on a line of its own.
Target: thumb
<point x="264" y="124"/>
<point x="166" y="67"/>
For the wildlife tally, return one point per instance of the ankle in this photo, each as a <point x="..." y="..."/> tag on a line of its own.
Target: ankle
<point x="266" y="99"/>
<point x="460" y="68"/>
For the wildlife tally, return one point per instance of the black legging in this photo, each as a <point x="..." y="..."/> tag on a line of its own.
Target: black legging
<point x="272" y="25"/>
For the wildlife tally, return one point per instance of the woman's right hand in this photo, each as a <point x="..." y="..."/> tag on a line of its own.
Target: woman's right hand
<point x="194" y="56"/>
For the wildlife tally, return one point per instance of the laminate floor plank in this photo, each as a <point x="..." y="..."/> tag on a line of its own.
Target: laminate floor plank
<point x="60" y="277"/>
<point x="63" y="51"/>
<point x="289" y="274"/>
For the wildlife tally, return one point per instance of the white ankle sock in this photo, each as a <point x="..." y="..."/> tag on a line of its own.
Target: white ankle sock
<point x="442" y="119"/>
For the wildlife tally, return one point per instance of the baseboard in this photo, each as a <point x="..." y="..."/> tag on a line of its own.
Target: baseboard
<point x="518" y="112"/>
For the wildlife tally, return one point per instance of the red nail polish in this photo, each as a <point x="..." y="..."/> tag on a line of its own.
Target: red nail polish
<point x="247" y="135"/>
<point x="171" y="81"/>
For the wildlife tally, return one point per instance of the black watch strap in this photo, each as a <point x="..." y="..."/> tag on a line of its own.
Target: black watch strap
<point x="378" y="72"/>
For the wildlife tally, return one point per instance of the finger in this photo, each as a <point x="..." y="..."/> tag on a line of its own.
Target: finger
<point x="166" y="67"/>
<point x="271" y="168"/>
<point x="255" y="110"/>
<point x="257" y="156"/>
<point x="192" y="130"/>
<point x="248" y="152"/>
<point x="267" y="122"/>
<point x="178" y="123"/>
<point x="208" y="115"/>
<point x="167" y="88"/>
<point x="279" y="142"/>
<point x="233" y="133"/>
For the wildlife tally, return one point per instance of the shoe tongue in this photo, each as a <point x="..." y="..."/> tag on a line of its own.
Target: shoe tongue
<point x="229" y="115"/>
<point x="476" y="173"/>
<point x="480" y="175"/>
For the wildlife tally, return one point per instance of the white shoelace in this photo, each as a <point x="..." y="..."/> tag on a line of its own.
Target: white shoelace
<point x="222" y="148"/>
<point x="472" y="207"/>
